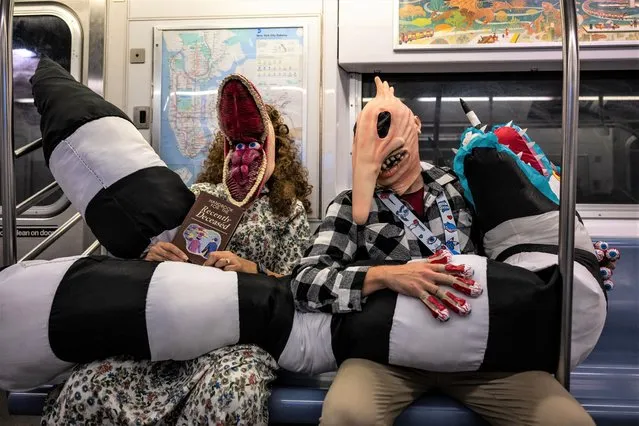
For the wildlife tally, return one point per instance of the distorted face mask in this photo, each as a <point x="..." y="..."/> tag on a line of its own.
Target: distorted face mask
<point x="249" y="148"/>
<point x="385" y="149"/>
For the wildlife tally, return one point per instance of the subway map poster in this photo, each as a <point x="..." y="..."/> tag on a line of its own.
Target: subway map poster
<point x="511" y="23"/>
<point x="191" y="66"/>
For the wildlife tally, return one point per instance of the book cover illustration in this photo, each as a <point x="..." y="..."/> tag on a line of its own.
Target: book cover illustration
<point x="208" y="227"/>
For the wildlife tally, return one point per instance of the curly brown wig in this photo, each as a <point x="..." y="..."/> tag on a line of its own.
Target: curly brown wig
<point x="289" y="181"/>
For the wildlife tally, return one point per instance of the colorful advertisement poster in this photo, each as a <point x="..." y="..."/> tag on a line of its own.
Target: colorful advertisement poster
<point x="439" y="24"/>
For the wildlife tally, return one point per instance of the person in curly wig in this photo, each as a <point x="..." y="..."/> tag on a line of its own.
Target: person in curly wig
<point x="253" y="163"/>
<point x="257" y="168"/>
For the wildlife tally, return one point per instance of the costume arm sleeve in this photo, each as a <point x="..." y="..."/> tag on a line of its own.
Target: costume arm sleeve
<point x="322" y="281"/>
<point x="291" y="243"/>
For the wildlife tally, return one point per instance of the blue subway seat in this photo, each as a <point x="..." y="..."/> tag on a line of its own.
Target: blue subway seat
<point x="611" y="397"/>
<point x="298" y="400"/>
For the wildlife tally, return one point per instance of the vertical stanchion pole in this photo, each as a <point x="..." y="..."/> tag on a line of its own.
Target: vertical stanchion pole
<point x="568" y="193"/>
<point x="8" y="187"/>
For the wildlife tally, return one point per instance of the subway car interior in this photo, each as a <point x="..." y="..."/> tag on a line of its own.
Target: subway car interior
<point x="141" y="55"/>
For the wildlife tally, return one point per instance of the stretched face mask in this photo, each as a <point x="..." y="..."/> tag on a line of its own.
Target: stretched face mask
<point x="385" y="149"/>
<point x="249" y="148"/>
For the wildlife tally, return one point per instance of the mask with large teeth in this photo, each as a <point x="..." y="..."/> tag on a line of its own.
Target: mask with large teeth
<point x="393" y="160"/>
<point x="518" y="141"/>
<point x="512" y="145"/>
<point x="249" y="148"/>
<point x="385" y="149"/>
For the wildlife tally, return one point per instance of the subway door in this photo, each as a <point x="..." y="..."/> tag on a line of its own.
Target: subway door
<point x="70" y="33"/>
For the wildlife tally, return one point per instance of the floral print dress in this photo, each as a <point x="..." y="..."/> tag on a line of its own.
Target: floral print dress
<point x="228" y="386"/>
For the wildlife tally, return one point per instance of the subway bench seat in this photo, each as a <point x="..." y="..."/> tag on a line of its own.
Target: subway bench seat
<point x="611" y="397"/>
<point x="298" y="399"/>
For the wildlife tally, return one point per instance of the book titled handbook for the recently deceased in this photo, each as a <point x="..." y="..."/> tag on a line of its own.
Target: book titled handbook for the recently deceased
<point x="208" y="227"/>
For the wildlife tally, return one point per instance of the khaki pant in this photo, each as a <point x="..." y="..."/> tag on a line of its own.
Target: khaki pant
<point x="366" y="393"/>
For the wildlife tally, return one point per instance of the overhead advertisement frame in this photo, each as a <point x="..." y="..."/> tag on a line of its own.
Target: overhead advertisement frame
<point x="280" y="55"/>
<point x="511" y="24"/>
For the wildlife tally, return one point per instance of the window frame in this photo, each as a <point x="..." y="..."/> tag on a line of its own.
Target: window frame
<point x="586" y="211"/>
<point x="77" y="40"/>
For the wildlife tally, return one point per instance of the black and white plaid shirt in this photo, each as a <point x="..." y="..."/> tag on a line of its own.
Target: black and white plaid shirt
<point x="324" y="281"/>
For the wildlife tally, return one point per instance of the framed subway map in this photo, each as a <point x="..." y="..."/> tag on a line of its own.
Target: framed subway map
<point x="191" y="61"/>
<point x="441" y="24"/>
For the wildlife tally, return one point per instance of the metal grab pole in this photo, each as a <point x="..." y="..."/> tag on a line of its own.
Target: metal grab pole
<point x="55" y="236"/>
<point x="568" y="193"/>
<point x="8" y="184"/>
<point x="92" y="248"/>
<point x="28" y="148"/>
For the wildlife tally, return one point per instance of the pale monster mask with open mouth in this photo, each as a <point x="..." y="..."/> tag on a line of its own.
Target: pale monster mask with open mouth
<point x="385" y="150"/>
<point x="249" y="148"/>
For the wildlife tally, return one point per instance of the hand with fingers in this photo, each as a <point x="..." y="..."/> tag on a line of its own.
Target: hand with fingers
<point x="385" y="132"/>
<point x="372" y="147"/>
<point x="422" y="280"/>
<point x="163" y="251"/>
<point x="229" y="261"/>
<point x="607" y="257"/>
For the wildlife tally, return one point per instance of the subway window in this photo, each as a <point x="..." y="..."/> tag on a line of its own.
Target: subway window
<point x="33" y="36"/>
<point x="608" y="155"/>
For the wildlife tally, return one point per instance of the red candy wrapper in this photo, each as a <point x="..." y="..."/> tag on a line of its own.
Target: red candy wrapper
<point x="463" y="270"/>
<point x="456" y="303"/>
<point x="441" y="257"/>
<point x="468" y="287"/>
<point x="437" y="309"/>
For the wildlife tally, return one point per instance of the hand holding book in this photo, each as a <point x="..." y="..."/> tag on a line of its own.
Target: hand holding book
<point x="225" y="260"/>
<point x="165" y="251"/>
<point x="205" y="232"/>
<point x="229" y="261"/>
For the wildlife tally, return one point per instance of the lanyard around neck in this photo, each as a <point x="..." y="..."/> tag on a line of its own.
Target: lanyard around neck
<point x="421" y="231"/>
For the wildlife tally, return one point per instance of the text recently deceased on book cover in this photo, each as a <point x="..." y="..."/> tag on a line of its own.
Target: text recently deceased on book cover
<point x="208" y="227"/>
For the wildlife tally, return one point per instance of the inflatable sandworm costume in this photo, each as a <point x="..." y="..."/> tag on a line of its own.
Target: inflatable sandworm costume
<point x="54" y="314"/>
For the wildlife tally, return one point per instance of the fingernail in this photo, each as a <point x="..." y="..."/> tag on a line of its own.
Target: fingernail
<point x="437" y="309"/>
<point x="467" y="286"/>
<point x="608" y="285"/>
<point x="457" y="304"/>
<point x="612" y="254"/>
<point x="463" y="270"/>
<point x="605" y="273"/>
<point x="441" y="257"/>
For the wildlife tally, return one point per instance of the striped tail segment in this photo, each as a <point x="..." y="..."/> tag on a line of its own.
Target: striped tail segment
<point x="112" y="176"/>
